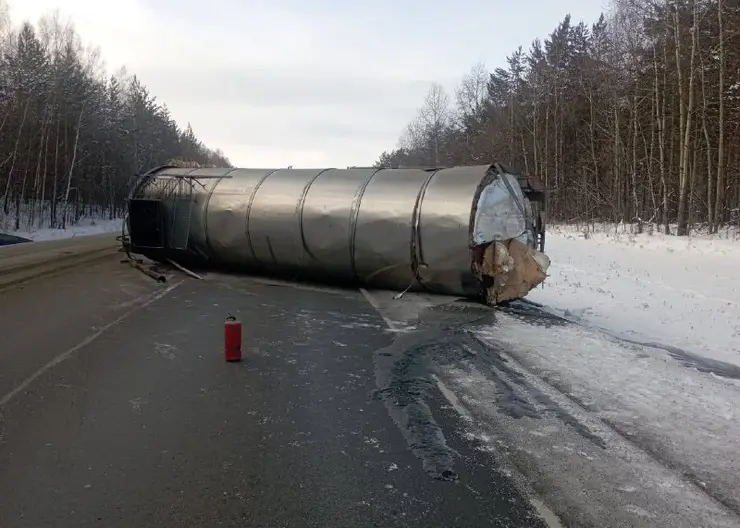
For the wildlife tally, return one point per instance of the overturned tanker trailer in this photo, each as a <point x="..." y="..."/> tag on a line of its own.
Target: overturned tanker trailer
<point x="473" y="231"/>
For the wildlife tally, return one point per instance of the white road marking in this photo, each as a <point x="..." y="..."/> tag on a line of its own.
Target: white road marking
<point x="393" y="325"/>
<point x="452" y="399"/>
<point x="61" y="357"/>
<point x="546" y="513"/>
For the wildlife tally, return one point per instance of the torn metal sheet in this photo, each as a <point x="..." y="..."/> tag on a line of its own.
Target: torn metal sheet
<point x="395" y="228"/>
<point x="499" y="215"/>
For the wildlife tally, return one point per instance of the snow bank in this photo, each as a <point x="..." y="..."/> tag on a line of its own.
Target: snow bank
<point x="85" y="226"/>
<point x="727" y="241"/>
<point x="679" y="291"/>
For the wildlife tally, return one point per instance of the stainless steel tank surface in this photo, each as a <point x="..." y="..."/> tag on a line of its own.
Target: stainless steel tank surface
<point x="405" y="228"/>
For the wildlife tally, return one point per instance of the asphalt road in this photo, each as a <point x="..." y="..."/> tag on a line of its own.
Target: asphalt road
<point x="118" y="409"/>
<point x="31" y="260"/>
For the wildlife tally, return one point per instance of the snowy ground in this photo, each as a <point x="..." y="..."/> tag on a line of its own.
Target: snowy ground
<point x="626" y="413"/>
<point x="683" y="292"/>
<point x="675" y="400"/>
<point x="86" y="226"/>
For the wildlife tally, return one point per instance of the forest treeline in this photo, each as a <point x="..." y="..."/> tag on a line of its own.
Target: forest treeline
<point x="72" y="137"/>
<point x="634" y="118"/>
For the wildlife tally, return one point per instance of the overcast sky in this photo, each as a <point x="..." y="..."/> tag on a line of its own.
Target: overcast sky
<point x="313" y="83"/>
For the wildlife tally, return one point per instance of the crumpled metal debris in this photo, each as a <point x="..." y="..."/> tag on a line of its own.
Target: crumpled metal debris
<point x="511" y="269"/>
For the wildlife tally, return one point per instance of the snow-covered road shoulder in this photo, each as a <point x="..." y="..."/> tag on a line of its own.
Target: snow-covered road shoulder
<point x="84" y="227"/>
<point x="683" y="292"/>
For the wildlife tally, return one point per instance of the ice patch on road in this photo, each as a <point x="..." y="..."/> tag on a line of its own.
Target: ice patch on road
<point x="166" y="351"/>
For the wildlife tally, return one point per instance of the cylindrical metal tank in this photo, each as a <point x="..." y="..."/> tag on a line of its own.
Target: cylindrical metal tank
<point x="406" y="228"/>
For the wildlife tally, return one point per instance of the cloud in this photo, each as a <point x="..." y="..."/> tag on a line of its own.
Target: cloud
<point x="319" y="83"/>
<point x="274" y="86"/>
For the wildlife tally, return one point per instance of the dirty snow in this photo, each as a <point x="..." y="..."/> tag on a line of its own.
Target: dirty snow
<point x="667" y="412"/>
<point x="679" y="291"/>
<point x="683" y="418"/>
<point x="677" y="400"/>
<point x="84" y="227"/>
<point x="622" y="484"/>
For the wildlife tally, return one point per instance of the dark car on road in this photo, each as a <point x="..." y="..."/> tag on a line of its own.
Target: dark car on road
<point x="9" y="240"/>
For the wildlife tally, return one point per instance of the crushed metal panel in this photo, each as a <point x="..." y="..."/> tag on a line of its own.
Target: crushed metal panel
<point x="498" y="215"/>
<point x="328" y="220"/>
<point x="384" y="229"/>
<point x="226" y="216"/>
<point x="444" y="232"/>
<point x="274" y="220"/>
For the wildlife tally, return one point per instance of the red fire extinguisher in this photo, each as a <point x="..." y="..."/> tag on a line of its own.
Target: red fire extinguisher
<point x="232" y="339"/>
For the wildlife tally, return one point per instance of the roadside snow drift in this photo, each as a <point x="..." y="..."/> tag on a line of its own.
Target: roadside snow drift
<point x="680" y="292"/>
<point x="86" y="226"/>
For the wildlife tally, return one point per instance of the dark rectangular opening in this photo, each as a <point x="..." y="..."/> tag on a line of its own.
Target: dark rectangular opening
<point x="146" y="223"/>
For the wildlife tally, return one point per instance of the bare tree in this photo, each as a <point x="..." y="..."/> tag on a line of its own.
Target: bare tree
<point x="719" y="200"/>
<point x="435" y="118"/>
<point x="472" y="91"/>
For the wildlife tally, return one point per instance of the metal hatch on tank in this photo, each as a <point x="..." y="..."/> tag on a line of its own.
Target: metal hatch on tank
<point x="465" y="230"/>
